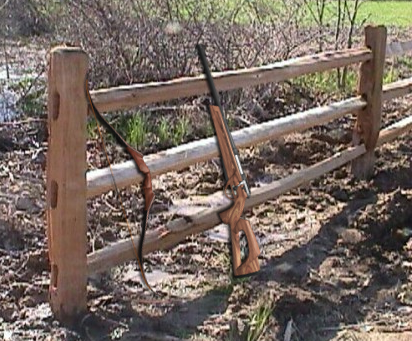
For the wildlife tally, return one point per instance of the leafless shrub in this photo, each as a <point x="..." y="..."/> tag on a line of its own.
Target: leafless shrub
<point x="24" y="18"/>
<point x="140" y="41"/>
<point x="349" y="12"/>
<point x="340" y="16"/>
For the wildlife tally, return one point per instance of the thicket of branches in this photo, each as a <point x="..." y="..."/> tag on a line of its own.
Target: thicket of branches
<point x="138" y="41"/>
<point x="154" y="40"/>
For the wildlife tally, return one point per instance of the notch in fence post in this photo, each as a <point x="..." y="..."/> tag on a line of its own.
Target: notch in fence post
<point x="66" y="183"/>
<point x="368" y="122"/>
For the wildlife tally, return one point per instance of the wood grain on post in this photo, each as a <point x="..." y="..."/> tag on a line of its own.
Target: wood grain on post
<point x="66" y="183"/>
<point x="368" y="122"/>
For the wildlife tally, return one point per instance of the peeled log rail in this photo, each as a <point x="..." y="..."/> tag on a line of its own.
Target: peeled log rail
<point x="397" y="89"/>
<point x="126" y="97"/>
<point x="180" y="157"/>
<point x="177" y="230"/>
<point x="394" y="130"/>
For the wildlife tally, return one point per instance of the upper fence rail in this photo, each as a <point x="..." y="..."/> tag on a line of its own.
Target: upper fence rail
<point x="129" y="96"/>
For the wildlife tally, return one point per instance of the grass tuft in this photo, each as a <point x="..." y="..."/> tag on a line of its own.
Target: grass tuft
<point x="181" y="130"/>
<point x="163" y="132"/>
<point x="137" y="128"/>
<point x="257" y="322"/>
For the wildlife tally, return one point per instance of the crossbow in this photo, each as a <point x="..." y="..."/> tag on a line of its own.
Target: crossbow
<point x="147" y="183"/>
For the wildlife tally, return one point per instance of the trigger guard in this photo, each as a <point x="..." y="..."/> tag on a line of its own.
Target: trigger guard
<point x="225" y="191"/>
<point x="234" y="193"/>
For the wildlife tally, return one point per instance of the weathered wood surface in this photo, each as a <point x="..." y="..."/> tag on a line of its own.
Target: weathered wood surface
<point x="177" y="230"/>
<point x="100" y="181"/>
<point x="397" y="89"/>
<point x="394" y="130"/>
<point x="126" y="97"/>
<point x="368" y="122"/>
<point x="66" y="183"/>
<point x="129" y="96"/>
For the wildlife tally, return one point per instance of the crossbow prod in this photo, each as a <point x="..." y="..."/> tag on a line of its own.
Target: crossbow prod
<point x="235" y="180"/>
<point x="147" y="183"/>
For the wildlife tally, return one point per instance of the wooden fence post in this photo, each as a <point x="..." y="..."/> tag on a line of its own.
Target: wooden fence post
<point x="66" y="183"/>
<point x="368" y="122"/>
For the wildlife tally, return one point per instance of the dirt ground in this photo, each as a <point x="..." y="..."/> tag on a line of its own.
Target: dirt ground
<point x="336" y="253"/>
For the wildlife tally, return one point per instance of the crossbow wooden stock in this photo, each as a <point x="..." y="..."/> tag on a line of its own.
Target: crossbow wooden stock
<point x="147" y="184"/>
<point x="236" y="180"/>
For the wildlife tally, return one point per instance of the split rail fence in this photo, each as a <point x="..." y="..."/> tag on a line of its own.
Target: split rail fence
<point x="69" y="186"/>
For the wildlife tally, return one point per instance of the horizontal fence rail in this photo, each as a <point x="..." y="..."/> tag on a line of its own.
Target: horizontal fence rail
<point x="394" y="130"/>
<point x="126" y="97"/>
<point x="397" y="89"/>
<point x="177" y="230"/>
<point x="180" y="157"/>
<point x="100" y="181"/>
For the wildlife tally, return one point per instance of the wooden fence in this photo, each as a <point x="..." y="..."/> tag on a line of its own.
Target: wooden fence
<point x="69" y="186"/>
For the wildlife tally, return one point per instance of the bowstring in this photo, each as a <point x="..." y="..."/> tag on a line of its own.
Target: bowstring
<point x="118" y="193"/>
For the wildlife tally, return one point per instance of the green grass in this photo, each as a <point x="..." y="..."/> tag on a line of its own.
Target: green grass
<point x="173" y="133"/>
<point x="134" y="129"/>
<point x="327" y="82"/>
<point x="257" y="322"/>
<point x="180" y="130"/>
<point x="207" y="129"/>
<point x="137" y="129"/>
<point x="391" y="74"/>
<point x="163" y="131"/>
<point x="389" y="13"/>
<point x="406" y="61"/>
<point x="92" y="129"/>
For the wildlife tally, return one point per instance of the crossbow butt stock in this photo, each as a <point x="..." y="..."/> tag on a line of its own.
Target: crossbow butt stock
<point x="232" y="217"/>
